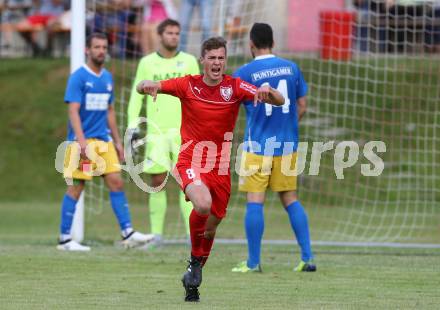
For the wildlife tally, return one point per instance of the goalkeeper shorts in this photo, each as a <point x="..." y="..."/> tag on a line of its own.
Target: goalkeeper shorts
<point x="102" y="159"/>
<point x="161" y="151"/>
<point x="258" y="172"/>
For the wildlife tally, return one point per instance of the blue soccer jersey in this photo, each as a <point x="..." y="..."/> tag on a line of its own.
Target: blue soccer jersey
<point x="94" y="93"/>
<point x="272" y="130"/>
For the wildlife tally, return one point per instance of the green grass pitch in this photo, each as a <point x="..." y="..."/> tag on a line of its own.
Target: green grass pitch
<point x="33" y="275"/>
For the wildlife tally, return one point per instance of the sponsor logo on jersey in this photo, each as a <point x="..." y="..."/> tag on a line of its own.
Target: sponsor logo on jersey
<point x="198" y="89"/>
<point x="226" y="92"/>
<point x="97" y="102"/>
<point x="89" y="84"/>
<point x="166" y="76"/>
<point x="109" y="87"/>
<point x="180" y="64"/>
<point x="248" y="87"/>
<point x="270" y="73"/>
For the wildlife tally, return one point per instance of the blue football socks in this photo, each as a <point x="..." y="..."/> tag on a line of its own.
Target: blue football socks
<point x="67" y="213"/>
<point x="120" y="208"/>
<point x="254" y="226"/>
<point x="300" y="226"/>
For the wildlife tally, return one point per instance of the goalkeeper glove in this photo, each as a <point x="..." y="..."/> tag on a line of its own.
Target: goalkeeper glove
<point x="134" y="137"/>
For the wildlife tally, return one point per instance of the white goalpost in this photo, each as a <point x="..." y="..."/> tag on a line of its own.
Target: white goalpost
<point x="77" y="59"/>
<point x="381" y="84"/>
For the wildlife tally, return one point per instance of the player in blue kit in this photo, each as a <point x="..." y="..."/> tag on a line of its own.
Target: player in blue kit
<point x="95" y="148"/>
<point x="271" y="142"/>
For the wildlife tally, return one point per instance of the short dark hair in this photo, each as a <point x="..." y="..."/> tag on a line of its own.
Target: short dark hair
<point x="95" y="35"/>
<point x="262" y="35"/>
<point x="167" y="22"/>
<point x="213" y="44"/>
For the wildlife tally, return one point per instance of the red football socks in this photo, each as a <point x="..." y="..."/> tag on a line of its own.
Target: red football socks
<point x="197" y="224"/>
<point x="206" y="248"/>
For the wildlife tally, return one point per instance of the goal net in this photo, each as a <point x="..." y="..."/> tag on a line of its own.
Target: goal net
<point x="372" y="75"/>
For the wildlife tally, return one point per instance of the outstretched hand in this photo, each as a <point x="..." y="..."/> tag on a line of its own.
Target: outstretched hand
<point x="149" y="88"/>
<point x="262" y="95"/>
<point x="267" y="94"/>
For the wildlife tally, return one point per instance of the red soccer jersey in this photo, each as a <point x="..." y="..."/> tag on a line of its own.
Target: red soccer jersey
<point x="208" y="117"/>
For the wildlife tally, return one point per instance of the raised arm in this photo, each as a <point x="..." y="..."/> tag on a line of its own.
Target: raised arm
<point x="175" y="87"/>
<point x="269" y="95"/>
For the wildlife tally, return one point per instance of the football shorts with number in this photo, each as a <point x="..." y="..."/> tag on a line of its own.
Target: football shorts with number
<point x="219" y="186"/>
<point x="102" y="160"/>
<point x="208" y="120"/>
<point x="258" y="172"/>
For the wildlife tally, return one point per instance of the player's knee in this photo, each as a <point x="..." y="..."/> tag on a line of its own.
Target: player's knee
<point x="288" y="197"/>
<point x="203" y="204"/>
<point x="116" y="185"/>
<point x="75" y="191"/>
<point x="158" y="181"/>
<point x="119" y="185"/>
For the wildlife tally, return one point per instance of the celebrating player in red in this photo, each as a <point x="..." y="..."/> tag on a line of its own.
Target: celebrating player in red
<point x="210" y="104"/>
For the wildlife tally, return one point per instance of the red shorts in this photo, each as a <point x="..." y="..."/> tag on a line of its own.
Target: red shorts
<point x="219" y="186"/>
<point x="36" y="20"/>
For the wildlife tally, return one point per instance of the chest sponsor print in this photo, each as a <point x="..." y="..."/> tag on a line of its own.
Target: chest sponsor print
<point x="97" y="102"/>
